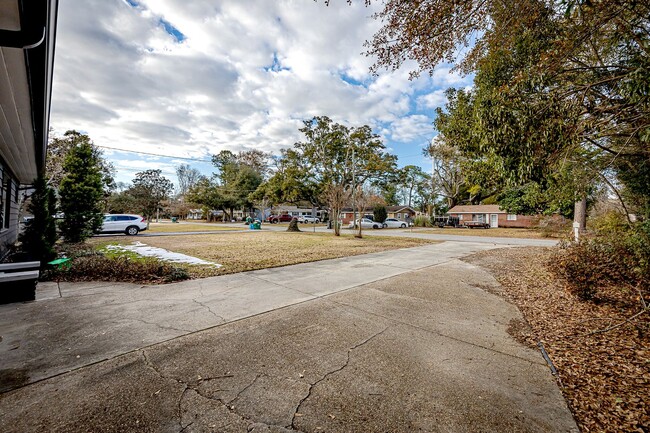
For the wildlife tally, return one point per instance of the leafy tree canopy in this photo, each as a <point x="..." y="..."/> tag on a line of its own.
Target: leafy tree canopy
<point x="81" y="192"/>
<point x="149" y="188"/>
<point x="58" y="149"/>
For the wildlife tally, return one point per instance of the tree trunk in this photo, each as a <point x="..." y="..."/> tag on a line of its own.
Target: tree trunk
<point x="293" y="226"/>
<point x="580" y="213"/>
<point x="337" y="228"/>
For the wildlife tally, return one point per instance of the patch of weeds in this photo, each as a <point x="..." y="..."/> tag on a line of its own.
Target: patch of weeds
<point x="90" y="263"/>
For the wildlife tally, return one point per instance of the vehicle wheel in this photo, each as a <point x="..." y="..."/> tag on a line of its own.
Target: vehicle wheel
<point x="403" y="226"/>
<point x="132" y="230"/>
<point x="375" y="226"/>
<point x="384" y="226"/>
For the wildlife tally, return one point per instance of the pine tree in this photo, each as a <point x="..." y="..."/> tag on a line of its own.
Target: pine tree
<point x="39" y="236"/>
<point x="81" y="193"/>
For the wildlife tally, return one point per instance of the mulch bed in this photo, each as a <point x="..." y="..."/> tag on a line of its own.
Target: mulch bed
<point x="604" y="374"/>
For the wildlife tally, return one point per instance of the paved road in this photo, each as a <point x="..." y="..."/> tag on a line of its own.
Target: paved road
<point x="369" y="232"/>
<point x="396" y="341"/>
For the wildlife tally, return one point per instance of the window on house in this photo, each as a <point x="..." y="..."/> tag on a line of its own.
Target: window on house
<point x="8" y="185"/>
<point x="511" y="217"/>
<point x="2" y="197"/>
<point x="460" y="217"/>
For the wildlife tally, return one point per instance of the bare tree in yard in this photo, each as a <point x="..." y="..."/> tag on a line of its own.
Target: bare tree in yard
<point x="188" y="177"/>
<point x="363" y="198"/>
<point x="336" y="196"/>
<point x="447" y="179"/>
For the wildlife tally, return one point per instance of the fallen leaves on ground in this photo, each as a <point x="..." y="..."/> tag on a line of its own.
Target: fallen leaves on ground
<point x="604" y="376"/>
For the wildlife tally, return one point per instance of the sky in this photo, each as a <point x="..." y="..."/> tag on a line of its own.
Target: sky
<point x="188" y="79"/>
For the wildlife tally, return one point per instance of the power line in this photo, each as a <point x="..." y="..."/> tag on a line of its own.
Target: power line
<point x="155" y="154"/>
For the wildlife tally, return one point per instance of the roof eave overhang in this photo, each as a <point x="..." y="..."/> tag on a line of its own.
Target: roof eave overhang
<point x="36" y="38"/>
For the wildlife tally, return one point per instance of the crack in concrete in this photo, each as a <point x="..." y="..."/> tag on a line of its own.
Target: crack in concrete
<point x="257" y="376"/>
<point x="210" y="310"/>
<point x="328" y="374"/>
<point x="195" y="387"/>
<point x="430" y="331"/>
<point x="168" y="328"/>
<point x="151" y="365"/>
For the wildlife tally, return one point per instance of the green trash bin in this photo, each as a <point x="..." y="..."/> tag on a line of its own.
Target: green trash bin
<point x="257" y="225"/>
<point x="174" y="219"/>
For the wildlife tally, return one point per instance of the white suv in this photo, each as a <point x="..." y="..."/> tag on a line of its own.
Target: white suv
<point x="123" y="223"/>
<point x="308" y="219"/>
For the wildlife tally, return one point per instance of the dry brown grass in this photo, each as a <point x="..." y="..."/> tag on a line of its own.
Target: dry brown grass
<point x="239" y="252"/>
<point x="169" y="227"/>
<point x="499" y="232"/>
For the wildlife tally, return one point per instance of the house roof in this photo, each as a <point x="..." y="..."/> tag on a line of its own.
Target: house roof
<point x="370" y="209"/>
<point x="477" y="208"/>
<point x="27" y="34"/>
<point x="399" y="208"/>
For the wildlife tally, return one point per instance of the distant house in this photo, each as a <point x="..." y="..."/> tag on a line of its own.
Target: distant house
<point x="402" y="213"/>
<point x="492" y="214"/>
<point x="293" y="210"/>
<point x="26" y="63"/>
<point x="195" y="214"/>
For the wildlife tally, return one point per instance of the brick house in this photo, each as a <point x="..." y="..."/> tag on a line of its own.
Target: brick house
<point x="493" y="214"/>
<point x="402" y="213"/>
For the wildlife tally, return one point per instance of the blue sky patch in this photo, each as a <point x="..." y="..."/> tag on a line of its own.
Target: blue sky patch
<point x="180" y="37"/>
<point x="276" y="66"/>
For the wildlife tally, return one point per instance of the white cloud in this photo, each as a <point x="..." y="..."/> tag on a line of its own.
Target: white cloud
<point x="244" y="77"/>
<point x="432" y="100"/>
<point x="412" y="128"/>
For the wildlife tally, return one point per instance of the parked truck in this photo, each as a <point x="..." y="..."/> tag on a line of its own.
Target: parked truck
<point x="443" y="221"/>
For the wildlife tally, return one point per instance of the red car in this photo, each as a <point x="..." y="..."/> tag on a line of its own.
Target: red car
<point x="273" y="219"/>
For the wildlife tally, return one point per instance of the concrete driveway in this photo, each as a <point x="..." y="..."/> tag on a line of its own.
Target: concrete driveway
<point x="397" y="341"/>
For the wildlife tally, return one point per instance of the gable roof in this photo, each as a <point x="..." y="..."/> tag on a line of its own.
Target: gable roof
<point x="476" y="208"/>
<point x="399" y="208"/>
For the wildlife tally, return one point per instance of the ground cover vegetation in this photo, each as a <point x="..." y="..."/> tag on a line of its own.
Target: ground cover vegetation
<point x="600" y="353"/>
<point x="92" y="261"/>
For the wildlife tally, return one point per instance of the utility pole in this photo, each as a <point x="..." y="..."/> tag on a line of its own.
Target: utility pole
<point x="354" y="205"/>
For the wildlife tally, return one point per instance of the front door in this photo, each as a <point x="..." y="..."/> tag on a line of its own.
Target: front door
<point x="494" y="220"/>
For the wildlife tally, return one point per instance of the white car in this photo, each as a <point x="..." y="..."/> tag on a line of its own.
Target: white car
<point x="394" y="223"/>
<point x="308" y="219"/>
<point x="366" y="223"/>
<point x="123" y="223"/>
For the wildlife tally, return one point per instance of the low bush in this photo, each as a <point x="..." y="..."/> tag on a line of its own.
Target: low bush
<point x="422" y="221"/>
<point x="619" y="257"/>
<point x="89" y="264"/>
<point x="553" y="226"/>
